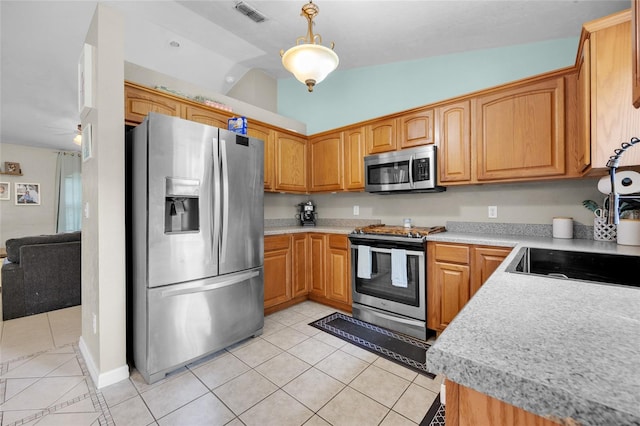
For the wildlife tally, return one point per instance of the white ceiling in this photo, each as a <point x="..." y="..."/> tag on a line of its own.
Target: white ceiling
<point x="41" y="43"/>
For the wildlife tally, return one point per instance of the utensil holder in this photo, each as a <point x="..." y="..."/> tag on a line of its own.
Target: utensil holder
<point x="603" y="231"/>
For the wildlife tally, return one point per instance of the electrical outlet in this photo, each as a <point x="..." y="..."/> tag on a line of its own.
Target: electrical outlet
<point x="493" y="212"/>
<point x="95" y="324"/>
<point x="86" y="210"/>
<point x="356" y="210"/>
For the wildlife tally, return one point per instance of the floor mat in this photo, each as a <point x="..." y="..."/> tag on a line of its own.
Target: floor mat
<point x="403" y="349"/>
<point x="435" y="415"/>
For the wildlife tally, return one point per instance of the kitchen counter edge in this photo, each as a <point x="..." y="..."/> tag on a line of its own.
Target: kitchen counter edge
<point x="557" y="348"/>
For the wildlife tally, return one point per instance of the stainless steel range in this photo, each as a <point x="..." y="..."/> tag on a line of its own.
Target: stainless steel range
<point x="388" y="273"/>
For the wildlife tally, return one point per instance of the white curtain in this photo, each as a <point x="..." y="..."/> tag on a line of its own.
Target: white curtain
<point x="68" y="192"/>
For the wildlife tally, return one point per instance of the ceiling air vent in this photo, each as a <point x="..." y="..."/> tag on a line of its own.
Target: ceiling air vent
<point x="250" y="11"/>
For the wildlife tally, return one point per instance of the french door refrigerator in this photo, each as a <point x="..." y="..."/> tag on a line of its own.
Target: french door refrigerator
<point x="196" y="239"/>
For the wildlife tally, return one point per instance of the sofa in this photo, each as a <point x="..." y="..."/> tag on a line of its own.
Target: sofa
<point x="40" y="274"/>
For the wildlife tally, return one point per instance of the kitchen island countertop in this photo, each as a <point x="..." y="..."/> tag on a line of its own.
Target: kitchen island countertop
<point x="557" y="348"/>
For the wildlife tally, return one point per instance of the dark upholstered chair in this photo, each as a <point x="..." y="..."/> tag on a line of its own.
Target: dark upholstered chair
<point x="44" y="274"/>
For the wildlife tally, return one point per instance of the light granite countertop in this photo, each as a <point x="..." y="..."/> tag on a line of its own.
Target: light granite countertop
<point x="557" y="348"/>
<point x="278" y="230"/>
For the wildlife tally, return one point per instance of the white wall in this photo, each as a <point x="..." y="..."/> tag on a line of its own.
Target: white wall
<point x="103" y="340"/>
<point x="533" y="203"/>
<point x="38" y="166"/>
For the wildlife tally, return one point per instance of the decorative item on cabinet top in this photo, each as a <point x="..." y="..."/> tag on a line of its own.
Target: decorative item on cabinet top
<point x="11" y="168"/>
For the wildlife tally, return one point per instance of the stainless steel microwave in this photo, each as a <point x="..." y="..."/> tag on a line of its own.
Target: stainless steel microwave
<point x="408" y="170"/>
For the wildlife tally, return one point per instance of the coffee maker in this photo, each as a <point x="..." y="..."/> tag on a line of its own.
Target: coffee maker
<point x="307" y="214"/>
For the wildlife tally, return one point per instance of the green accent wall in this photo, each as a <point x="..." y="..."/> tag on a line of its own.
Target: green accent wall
<point x="350" y="96"/>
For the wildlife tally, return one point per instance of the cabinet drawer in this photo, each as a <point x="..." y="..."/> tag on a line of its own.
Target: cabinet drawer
<point x="276" y="242"/>
<point x="452" y="253"/>
<point x="338" y="241"/>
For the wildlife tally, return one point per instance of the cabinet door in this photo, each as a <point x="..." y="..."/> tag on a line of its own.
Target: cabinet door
<point x="338" y="283"/>
<point x="485" y="261"/>
<point x="300" y="265"/>
<point x="416" y="129"/>
<point x="454" y="140"/>
<point x="354" y="153"/>
<point x="613" y="118"/>
<point x="317" y="264"/>
<point x="582" y="148"/>
<point x="206" y="116"/>
<point x="381" y="136"/>
<point x="277" y="269"/>
<point x="452" y="289"/>
<point x="325" y="163"/>
<point x="291" y="163"/>
<point x="140" y="102"/>
<point x="635" y="34"/>
<point x="267" y="135"/>
<point x="520" y="132"/>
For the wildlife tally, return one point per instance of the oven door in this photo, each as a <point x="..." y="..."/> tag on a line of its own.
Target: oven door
<point x="379" y="292"/>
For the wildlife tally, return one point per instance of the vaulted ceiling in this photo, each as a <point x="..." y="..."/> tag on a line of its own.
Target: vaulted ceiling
<point x="41" y="43"/>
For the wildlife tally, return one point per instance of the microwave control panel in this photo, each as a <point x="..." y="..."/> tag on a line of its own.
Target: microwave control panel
<point x="420" y="169"/>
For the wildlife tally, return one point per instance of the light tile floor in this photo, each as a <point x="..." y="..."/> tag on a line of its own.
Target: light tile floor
<point x="293" y="374"/>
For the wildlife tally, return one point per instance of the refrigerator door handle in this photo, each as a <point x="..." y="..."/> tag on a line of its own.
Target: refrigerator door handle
<point x="225" y="202"/>
<point x="215" y="217"/>
<point x="237" y="278"/>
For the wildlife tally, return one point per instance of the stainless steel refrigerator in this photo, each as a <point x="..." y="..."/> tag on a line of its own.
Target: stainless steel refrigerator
<point x="197" y="241"/>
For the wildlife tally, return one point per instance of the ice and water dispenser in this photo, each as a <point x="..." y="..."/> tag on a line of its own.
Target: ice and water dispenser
<point x="182" y="205"/>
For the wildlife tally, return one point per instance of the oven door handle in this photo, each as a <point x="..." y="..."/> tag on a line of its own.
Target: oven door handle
<point x="394" y="318"/>
<point x="384" y="250"/>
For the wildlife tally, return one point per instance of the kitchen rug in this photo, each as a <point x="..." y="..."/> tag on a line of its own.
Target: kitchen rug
<point x="400" y="348"/>
<point x="435" y="415"/>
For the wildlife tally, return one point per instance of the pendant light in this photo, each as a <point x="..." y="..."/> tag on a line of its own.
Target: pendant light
<point x="309" y="61"/>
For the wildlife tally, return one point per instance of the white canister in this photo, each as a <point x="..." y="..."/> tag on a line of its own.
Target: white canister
<point x="562" y="227"/>
<point x="629" y="232"/>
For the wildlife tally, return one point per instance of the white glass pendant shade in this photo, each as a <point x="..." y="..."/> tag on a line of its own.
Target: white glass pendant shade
<point x="310" y="63"/>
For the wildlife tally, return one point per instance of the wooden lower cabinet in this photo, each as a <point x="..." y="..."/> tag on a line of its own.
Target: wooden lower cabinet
<point x="455" y="272"/>
<point x="277" y="270"/>
<point x="338" y="271"/>
<point x="468" y="407"/>
<point x="317" y="264"/>
<point x="304" y="266"/>
<point x="300" y="246"/>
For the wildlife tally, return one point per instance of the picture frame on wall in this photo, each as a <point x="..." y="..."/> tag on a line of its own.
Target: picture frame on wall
<point x="87" y="142"/>
<point x="12" y="168"/>
<point x="5" y="191"/>
<point x="85" y="80"/>
<point x="27" y="194"/>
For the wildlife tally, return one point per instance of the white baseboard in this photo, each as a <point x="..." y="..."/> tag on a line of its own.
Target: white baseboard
<point x="102" y="380"/>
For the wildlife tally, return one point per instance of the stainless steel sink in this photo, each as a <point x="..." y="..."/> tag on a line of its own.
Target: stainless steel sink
<point x="594" y="267"/>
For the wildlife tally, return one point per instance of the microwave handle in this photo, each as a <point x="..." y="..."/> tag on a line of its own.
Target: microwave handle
<point x="411" y="172"/>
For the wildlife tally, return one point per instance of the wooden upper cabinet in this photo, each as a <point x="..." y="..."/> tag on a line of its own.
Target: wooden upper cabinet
<point x="267" y="136"/>
<point x="139" y="102"/>
<point x="613" y="118"/>
<point x="205" y="116"/>
<point x="326" y="163"/>
<point x="582" y="145"/>
<point x="520" y="132"/>
<point x="635" y="34"/>
<point x="453" y="127"/>
<point x="355" y="146"/>
<point x="290" y="163"/>
<point x="381" y="136"/>
<point x="416" y="129"/>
